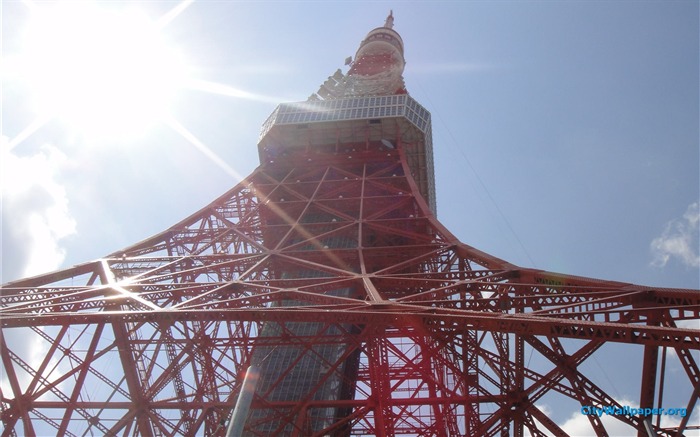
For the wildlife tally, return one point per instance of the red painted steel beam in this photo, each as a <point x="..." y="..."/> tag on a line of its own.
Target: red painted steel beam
<point x="388" y="314"/>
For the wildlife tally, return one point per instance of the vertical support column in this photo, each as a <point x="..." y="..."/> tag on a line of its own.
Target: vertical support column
<point x="505" y="379"/>
<point x="647" y="394"/>
<point x="648" y="383"/>
<point x="470" y="360"/>
<point x="662" y="377"/>
<point x="380" y="377"/>
<point x="519" y="359"/>
<point x="519" y="384"/>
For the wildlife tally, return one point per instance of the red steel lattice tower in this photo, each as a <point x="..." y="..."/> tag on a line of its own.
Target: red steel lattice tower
<point x="327" y="271"/>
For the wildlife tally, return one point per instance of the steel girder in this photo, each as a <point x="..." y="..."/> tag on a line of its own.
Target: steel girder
<point x="396" y="326"/>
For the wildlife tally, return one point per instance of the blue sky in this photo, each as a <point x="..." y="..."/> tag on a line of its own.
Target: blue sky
<point x="565" y="133"/>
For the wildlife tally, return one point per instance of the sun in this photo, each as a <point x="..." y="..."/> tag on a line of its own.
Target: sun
<point x="103" y="71"/>
<point x="108" y="73"/>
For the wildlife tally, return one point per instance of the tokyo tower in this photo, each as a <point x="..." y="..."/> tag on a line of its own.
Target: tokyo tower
<point x="320" y="296"/>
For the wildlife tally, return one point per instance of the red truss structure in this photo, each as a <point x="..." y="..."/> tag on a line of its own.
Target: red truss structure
<point x="327" y="270"/>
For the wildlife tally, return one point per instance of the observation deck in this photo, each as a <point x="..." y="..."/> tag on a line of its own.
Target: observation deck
<point x="397" y="121"/>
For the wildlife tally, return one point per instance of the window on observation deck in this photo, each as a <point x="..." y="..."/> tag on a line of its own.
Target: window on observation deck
<point x="349" y="109"/>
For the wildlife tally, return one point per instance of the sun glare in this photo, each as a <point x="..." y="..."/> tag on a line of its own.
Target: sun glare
<point x="107" y="72"/>
<point x="103" y="71"/>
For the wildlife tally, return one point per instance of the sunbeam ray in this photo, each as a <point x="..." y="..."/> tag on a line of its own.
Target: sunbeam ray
<point x="216" y="159"/>
<point x="28" y="131"/>
<point x="173" y="13"/>
<point x="189" y="136"/>
<point x="228" y="91"/>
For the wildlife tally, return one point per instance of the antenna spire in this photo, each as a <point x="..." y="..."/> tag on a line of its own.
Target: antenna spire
<point x="389" y="23"/>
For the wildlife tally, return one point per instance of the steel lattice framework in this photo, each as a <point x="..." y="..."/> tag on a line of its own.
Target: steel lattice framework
<point x="327" y="265"/>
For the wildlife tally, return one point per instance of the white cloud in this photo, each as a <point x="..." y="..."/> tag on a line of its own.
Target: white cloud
<point x="679" y="240"/>
<point x="35" y="214"/>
